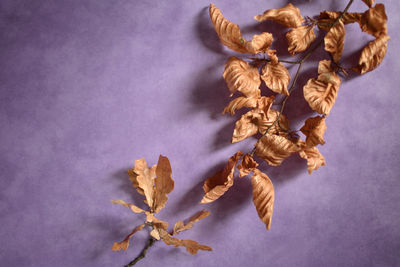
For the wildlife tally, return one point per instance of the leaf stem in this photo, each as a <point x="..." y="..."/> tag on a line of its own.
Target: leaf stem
<point x="142" y="254"/>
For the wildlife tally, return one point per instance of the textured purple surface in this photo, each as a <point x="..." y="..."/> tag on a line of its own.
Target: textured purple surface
<point x="87" y="87"/>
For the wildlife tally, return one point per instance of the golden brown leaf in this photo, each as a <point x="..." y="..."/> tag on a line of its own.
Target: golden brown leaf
<point x="334" y="40"/>
<point x="260" y="43"/>
<point x="180" y="226"/>
<point x="327" y="18"/>
<point x="299" y="39"/>
<point x="132" y="207"/>
<point x="124" y="244"/>
<point x="314" y="158"/>
<point x="215" y="186"/>
<point x="240" y="76"/>
<point x="246" y="126"/>
<point x="373" y="21"/>
<point x="155" y="234"/>
<point x="163" y="183"/>
<point x="274" y="149"/>
<point x="265" y="122"/>
<point x="191" y="246"/>
<point x="369" y="3"/>
<point x="373" y="54"/>
<point x="156" y="222"/>
<point x="145" y="180"/>
<point x="314" y="129"/>
<point x="240" y="102"/>
<point x="288" y="16"/>
<point x="264" y="103"/>
<point x="276" y="77"/>
<point x="247" y="165"/>
<point x="263" y="196"/>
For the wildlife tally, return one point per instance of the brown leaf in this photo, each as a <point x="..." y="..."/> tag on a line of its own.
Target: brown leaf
<point x="215" y="186"/>
<point x="314" y="129"/>
<point x="240" y="102"/>
<point x="132" y="207"/>
<point x="299" y="39"/>
<point x="372" y="54"/>
<point x="274" y="149"/>
<point x="265" y="122"/>
<point x="240" y="76"/>
<point x="124" y="244"/>
<point x="191" y="246"/>
<point x="373" y="21"/>
<point x="247" y="165"/>
<point x="260" y="43"/>
<point x="246" y="126"/>
<point x="314" y="158"/>
<point x="156" y="222"/>
<point x="276" y="77"/>
<point x="263" y="196"/>
<point x="334" y="40"/>
<point x="288" y="16"/>
<point x="264" y="103"/>
<point x="327" y="18"/>
<point x="369" y="3"/>
<point x="163" y="183"/>
<point x="145" y="180"/>
<point x="180" y="226"/>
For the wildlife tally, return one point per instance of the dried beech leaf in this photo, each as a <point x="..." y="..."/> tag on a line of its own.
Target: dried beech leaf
<point x="272" y="56"/>
<point x="288" y="16"/>
<point x="314" y="158"/>
<point x="229" y="33"/>
<point x="133" y="208"/>
<point x="145" y="180"/>
<point x="124" y="244"/>
<point x="274" y="149"/>
<point x="369" y="3"/>
<point x="334" y="40"/>
<point x="314" y="129"/>
<point x="191" y="246"/>
<point x="155" y="234"/>
<point x="264" y="103"/>
<point x="240" y="102"/>
<point x="373" y="21"/>
<point x="180" y="226"/>
<point x="299" y="39"/>
<point x="265" y="122"/>
<point x="276" y="77"/>
<point x="260" y="43"/>
<point x="245" y="127"/>
<point x="373" y="54"/>
<point x="247" y="165"/>
<point x="163" y="183"/>
<point x="263" y="196"/>
<point x="327" y="18"/>
<point x="240" y="76"/>
<point x="156" y="222"/>
<point x="215" y="186"/>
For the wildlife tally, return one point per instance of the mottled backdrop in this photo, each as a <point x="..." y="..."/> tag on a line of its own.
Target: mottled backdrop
<point x="87" y="87"/>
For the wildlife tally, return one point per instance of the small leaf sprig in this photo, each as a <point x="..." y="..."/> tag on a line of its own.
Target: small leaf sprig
<point x="155" y="184"/>
<point x="278" y="141"/>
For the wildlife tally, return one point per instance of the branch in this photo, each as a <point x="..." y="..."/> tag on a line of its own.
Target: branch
<point x="143" y="253"/>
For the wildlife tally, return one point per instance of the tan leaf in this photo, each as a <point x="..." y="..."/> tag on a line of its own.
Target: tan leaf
<point x="265" y="122"/>
<point x="124" y="244"/>
<point x="372" y="54"/>
<point x="274" y="149"/>
<point x="156" y="222"/>
<point x="260" y="43"/>
<point x="264" y="103"/>
<point x="240" y="102"/>
<point x="299" y="39"/>
<point x="155" y="234"/>
<point x="263" y="196"/>
<point x="163" y="183"/>
<point x="314" y="158"/>
<point x="327" y="18"/>
<point x="288" y="16"/>
<point x="133" y="208"/>
<point x="276" y="77"/>
<point x="373" y="21"/>
<point x="180" y="226"/>
<point x="334" y="40"/>
<point x="314" y="129"/>
<point x="369" y="3"/>
<point x="191" y="246"/>
<point x="240" y="76"/>
<point x="133" y="177"/>
<point x="272" y="56"/>
<point x="247" y="165"/>
<point x="229" y="33"/>
<point x="145" y="180"/>
<point x="215" y="186"/>
<point x="245" y="127"/>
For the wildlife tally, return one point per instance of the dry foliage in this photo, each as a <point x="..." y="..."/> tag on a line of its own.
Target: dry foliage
<point x="300" y="38"/>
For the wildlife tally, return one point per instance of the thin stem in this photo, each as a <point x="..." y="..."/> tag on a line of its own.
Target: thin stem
<point x="142" y="254"/>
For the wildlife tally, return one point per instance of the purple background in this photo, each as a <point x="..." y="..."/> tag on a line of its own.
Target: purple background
<point x="89" y="86"/>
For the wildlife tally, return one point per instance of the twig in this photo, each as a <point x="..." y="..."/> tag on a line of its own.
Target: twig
<point x="143" y="253"/>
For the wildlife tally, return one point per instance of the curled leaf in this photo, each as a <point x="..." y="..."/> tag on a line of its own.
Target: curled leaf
<point x="124" y="244"/>
<point x="145" y="180"/>
<point x="263" y="196"/>
<point x="163" y="183"/>
<point x="288" y="16"/>
<point x="314" y="158"/>
<point x="373" y="54"/>
<point x="274" y="149"/>
<point x="150" y="218"/>
<point x="215" y="186"/>
<point x="267" y="122"/>
<point x="247" y="165"/>
<point x="132" y="207"/>
<point x="314" y="129"/>
<point x="373" y="21"/>
<point x="180" y="226"/>
<point x="246" y="126"/>
<point x="300" y="39"/>
<point x="260" y="43"/>
<point x="191" y="246"/>
<point x="334" y="41"/>
<point x="240" y="76"/>
<point x="240" y="102"/>
<point x="327" y="18"/>
<point x="276" y="77"/>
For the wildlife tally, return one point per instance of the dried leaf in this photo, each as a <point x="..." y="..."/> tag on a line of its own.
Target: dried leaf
<point x="247" y="165"/>
<point x="264" y="103"/>
<point x="155" y="234"/>
<point x="373" y="21"/>
<point x="327" y="18"/>
<point x="373" y="54"/>
<point x="156" y="222"/>
<point x="133" y="208"/>
<point x="369" y="3"/>
<point x="314" y="129"/>
<point x="260" y="43"/>
<point x="124" y="244"/>
<point x="180" y="226"/>
<point x="288" y="16"/>
<point x="163" y="183"/>
<point x="191" y="246"/>
<point x="215" y="186"/>
<point x="240" y="102"/>
<point x="300" y="39"/>
<point x="334" y="40"/>
<point x="276" y="77"/>
<point x="263" y="196"/>
<point x="246" y="126"/>
<point x="145" y="180"/>
<point x="240" y="76"/>
<point x="274" y="149"/>
<point x="265" y="122"/>
<point x="314" y="158"/>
